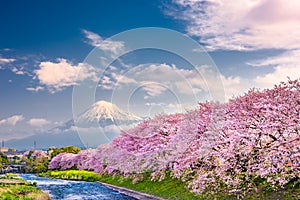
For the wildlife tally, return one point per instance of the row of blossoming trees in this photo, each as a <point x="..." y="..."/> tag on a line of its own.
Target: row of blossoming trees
<point x="255" y="135"/>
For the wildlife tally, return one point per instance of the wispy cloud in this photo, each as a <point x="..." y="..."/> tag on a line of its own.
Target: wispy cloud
<point x="286" y="65"/>
<point x="242" y="25"/>
<point x="113" y="79"/>
<point x="158" y="79"/>
<point x="168" y="77"/>
<point x="6" y="60"/>
<point x="18" y="71"/>
<point x="13" y="120"/>
<point x="61" y="74"/>
<point x="35" y="89"/>
<point x="108" y="45"/>
<point x="288" y="58"/>
<point x="153" y="88"/>
<point x="247" y="25"/>
<point x="38" y="122"/>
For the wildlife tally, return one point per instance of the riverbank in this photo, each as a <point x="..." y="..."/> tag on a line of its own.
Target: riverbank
<point x="170" y="188"/>
<point x="166" y="189"/>
<point x="13" y="187"/>
<point x="132" y="193"/>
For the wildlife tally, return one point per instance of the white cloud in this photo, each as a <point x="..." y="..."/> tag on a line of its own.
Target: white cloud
<point x="285" y="65"/>
<point x="288" y="58"/>
<point x="235" y="86"/>
<point x="18" y="71"/>
<point x="168" y="77"/>
<point x="230" y="85"/>
<point x="170" y="107"/>
<point x="155" y="79"/>
<point x="122" y="79"/>
<point x="35" y="89"/>
<point x="202" y="79"/>
<point x="244" y="24"/>
<point x="109" y="81"/>
<point x="6" y="60"/>
<point x="7" y="49"/>
<point x="247" y="25"/>
<point x="39" y="122"/>
<point x="163" y="82"/>
<point x="106" y="83"/>
<point x="13" y="120"/>
<point x="154" y="72"/>
<point x="108" y="45"/>
<point x="153" y="104"/>
<point x="153" y="88"/>
<point x="61" y="74"/>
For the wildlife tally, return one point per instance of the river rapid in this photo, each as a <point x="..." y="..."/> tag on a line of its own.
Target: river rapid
<point x="74" y="190"/>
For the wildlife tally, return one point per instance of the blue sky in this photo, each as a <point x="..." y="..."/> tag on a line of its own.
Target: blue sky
<point x="43" y="45"/>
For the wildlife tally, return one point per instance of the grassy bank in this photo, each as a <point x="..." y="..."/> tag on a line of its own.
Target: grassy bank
<point x="170" y="188"/>
<point x="12" y="187"/>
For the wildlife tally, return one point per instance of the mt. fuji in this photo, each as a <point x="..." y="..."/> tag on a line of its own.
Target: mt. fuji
<point x="104" y="114"/>
<point x="99" y="124"/>
<point x="101" y="114"/>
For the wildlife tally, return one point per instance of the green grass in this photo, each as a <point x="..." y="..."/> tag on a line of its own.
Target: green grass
<point x="15" y="188"/>
<point x="22" y="192"/>
<point x="170" y="188"/>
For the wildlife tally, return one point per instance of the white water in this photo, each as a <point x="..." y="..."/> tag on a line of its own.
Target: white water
<point x="74" y="190"/>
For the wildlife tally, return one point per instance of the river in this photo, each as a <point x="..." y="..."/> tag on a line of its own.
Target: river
<point x="73" y="190"/>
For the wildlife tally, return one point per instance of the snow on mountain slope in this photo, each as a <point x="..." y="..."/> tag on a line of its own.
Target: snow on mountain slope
<point x="104" y="113"/>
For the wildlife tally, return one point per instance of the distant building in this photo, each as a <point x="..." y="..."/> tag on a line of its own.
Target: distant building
<point x="4" y="149"/>
<point x="14" y="155"/>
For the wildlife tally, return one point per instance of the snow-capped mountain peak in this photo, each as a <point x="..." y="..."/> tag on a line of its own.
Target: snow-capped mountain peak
<point x="105" y="113"/>
<point x="108" y="116"/>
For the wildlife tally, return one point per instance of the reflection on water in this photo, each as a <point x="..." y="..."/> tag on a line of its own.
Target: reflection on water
<point x="73" y="190"/>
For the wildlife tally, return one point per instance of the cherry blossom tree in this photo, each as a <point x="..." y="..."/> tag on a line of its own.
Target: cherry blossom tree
<point x="217" y="145"/>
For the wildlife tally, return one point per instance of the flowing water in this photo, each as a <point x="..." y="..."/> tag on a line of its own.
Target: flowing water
<point x="73" y="190"/>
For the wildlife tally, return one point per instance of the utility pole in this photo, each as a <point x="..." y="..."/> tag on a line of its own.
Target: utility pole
<point x="34" y="145"/>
